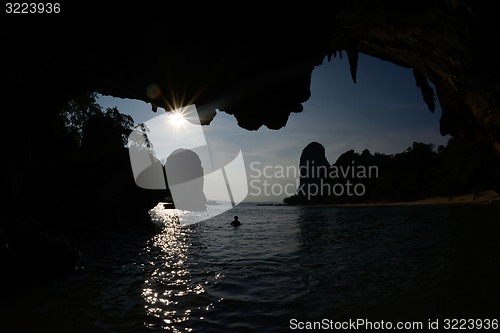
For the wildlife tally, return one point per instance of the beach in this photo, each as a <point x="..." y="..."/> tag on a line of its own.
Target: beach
<point x="485" y="197"/>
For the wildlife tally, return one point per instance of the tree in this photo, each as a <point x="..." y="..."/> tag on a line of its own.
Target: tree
<point x="121" y="122"/>
<point x="77" y="112"/>
<point x="83" y="116"/>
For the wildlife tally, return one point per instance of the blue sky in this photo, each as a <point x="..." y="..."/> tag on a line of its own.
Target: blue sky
<point x="383" y="112"/>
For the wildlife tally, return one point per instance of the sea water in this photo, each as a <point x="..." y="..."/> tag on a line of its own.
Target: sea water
<point x="284" y="265"/>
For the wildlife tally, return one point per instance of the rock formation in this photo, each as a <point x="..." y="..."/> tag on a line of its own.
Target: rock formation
<point x="252" y="60"/>
<point x="314" y="171"/>
<point x="184" y="173"/>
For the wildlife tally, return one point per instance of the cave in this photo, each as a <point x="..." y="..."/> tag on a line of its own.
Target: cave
<point x="253" y="61"/>
<point x="213" y="54"/>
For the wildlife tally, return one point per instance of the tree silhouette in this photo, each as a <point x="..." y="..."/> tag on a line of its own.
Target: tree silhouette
<point x="77" y="111"/>
<point x="422" y="170"/>
<point x="82" y="109"/>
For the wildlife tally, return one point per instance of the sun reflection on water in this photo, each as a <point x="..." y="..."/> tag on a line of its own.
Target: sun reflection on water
<point x="169" y="293"/>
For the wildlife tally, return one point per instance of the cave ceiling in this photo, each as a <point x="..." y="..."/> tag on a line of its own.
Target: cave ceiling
<point x="252" y="60"/>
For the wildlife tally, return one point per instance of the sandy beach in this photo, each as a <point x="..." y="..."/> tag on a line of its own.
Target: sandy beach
<point x="485" y="198"/>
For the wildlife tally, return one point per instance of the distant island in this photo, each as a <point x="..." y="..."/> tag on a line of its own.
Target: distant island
<point x="422" y="172"/>
<point x="272" y="204"/>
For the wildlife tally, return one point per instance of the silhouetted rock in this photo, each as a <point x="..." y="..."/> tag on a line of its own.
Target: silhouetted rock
<point x="418" y="172"/>
<point x="260" y="73"/>
<point x="185" y="180"/>
<point x="314" y="172"/>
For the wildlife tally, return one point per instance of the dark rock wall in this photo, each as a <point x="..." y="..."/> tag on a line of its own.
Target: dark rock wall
<point x="252" y="60"/>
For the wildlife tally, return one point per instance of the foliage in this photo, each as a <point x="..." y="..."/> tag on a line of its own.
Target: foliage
<point x="83" y="112"/>
<point x="76" y="113"/>
<point x="422" y="170"/>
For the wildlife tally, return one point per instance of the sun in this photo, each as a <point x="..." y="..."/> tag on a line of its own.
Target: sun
<point x="177" y="119"/>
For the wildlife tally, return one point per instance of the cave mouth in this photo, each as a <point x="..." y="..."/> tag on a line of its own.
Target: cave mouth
<point x="449" y="47"/>
<point x="263" y="56"/>
<point x="382" y="112"/>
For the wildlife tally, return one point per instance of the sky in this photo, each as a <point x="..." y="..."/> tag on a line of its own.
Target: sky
<point x="383" y="112"/>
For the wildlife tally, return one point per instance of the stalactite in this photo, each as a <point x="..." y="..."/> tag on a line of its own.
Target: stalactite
<point x="426" y="89"/>
<point x="352" y="55"/>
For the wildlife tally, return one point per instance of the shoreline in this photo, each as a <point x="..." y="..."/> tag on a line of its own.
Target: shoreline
<point x="486" y="197"/>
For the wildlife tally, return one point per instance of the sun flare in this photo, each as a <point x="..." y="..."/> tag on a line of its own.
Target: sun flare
<point x="177" y="119"/>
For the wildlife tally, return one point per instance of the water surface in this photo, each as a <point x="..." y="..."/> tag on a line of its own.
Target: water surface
<point x="308" y="263"/>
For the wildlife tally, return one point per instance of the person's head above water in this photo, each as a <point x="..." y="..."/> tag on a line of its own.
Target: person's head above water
<point x="235" y="222"/>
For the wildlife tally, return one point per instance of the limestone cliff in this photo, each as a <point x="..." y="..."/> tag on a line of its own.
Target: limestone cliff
<point x="314" y="171"/>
